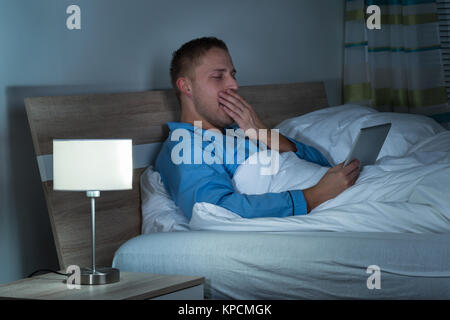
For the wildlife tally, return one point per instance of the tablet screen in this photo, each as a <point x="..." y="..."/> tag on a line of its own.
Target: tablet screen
<point x="368" y="144"/>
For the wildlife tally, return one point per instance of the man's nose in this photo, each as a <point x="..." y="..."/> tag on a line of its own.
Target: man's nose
<point x="232" y="84"/>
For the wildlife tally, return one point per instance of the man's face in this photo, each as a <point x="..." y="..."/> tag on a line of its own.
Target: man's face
<point x="214" y="73"/>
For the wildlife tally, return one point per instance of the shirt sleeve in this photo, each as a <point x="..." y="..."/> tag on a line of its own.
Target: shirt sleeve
<point x="309" y="153"/>
<point x="191" y="183"/>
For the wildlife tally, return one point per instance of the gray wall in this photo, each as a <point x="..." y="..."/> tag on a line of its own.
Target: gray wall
<point x="126" y="46"/>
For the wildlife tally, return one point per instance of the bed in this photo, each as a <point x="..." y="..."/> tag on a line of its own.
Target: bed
<point x="238" y="262"/>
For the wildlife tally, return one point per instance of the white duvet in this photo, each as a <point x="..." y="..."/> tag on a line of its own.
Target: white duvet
<point x="407" y="190"/>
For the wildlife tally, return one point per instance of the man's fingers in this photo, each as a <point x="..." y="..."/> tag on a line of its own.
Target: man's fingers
<point x="230" y="106"/>
<point x="353" y="173"/>
<point x="354" y="164"/>
<point x="354" y="176"/>
<point x="236" y="116"/>
<point x="350" y="172"/>
<point x="223" y="96"/>
<point x="238" y="97"/>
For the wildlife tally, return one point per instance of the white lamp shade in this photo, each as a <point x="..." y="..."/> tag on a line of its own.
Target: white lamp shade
<point x="100" y="165"/>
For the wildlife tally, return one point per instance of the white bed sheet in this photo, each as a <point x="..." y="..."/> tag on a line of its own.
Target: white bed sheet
<point x="404" y="194"/>
<point x="406" y="191"/>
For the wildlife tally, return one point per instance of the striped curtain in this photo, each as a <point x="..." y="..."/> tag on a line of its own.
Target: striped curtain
<point x="397" y="68"/>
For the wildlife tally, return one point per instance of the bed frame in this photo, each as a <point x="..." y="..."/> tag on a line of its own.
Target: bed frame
<point x="142" y="117"/>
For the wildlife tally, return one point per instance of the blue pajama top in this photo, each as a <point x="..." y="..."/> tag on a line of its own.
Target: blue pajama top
<point x="194" y="180"/>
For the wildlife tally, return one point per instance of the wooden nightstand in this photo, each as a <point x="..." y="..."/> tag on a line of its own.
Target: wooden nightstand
<point x="132" y="285"/>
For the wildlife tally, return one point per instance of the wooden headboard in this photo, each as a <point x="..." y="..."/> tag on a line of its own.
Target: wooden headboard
<point x="141" y="116"/>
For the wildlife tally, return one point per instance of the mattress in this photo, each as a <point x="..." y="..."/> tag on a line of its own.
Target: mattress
<point x="298" y="265"/>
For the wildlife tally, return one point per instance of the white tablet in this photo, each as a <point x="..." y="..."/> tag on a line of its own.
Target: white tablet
<point x="368" y="144"/>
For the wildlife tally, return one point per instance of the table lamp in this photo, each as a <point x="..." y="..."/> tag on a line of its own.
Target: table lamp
<point x="93" y="165"/>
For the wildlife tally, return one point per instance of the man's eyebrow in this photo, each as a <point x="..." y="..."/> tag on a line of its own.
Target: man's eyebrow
<point x="223" y="70"/>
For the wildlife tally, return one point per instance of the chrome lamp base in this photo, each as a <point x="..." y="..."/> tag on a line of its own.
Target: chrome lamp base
<point x="99" y="276"/>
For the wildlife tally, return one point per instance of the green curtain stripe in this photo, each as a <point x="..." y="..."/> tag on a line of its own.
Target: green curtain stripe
<point x="407" y="20"/>
<point x="354" y="15"/>
<point x="395" y="97"/>
<point x="357" y="92"/>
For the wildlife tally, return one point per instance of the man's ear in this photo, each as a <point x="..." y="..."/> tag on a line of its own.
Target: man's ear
<point x="185" y="86"/>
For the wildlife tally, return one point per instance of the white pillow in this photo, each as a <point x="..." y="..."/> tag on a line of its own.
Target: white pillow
<point x="333" y="130"/>
<point x="407" y="130"/>
<point x="159" y="211"/>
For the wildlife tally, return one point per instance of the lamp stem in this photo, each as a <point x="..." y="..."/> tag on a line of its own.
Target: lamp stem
<point x="93" y="232"/>
<point x="93" y="194"/>
<point x="94" y="275"/>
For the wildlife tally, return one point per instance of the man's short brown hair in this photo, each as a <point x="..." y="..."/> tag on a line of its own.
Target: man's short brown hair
<point x="188" y="55"/>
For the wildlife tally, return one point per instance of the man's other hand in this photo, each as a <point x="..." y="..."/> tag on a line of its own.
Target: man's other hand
<point x="242" y="113"/>
<point x="247" y="118"/>
<point x="334" y="182"/>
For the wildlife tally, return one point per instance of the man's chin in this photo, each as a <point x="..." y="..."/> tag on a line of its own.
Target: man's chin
<point x="225" y="120"/>
<point x="228" y="122"/>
